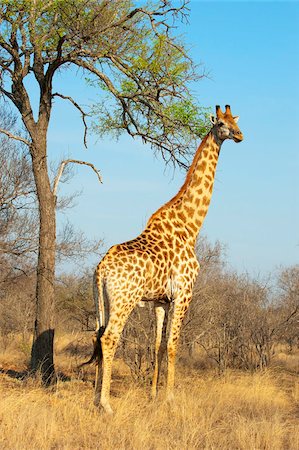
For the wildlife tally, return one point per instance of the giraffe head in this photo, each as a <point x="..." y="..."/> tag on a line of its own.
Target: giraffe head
<point x="225" y="125"/>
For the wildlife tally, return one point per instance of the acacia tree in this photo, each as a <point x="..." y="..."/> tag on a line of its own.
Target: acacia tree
<point x="134" y="57"/>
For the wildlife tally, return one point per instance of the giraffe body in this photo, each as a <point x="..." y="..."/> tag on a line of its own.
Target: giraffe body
<point x="160" y="265"/>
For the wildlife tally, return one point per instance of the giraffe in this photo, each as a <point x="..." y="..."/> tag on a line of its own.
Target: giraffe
<point x="159" y="265"/>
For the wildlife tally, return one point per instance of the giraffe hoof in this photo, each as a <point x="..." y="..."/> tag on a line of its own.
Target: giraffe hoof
<point x="107" y="409"/>
<point x="170" y="397"/>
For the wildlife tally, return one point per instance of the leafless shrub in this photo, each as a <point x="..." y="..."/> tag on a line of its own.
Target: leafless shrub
<point x="18" y="222"/>
<point x="137" y="343"/>
<point x="75" y="309"/>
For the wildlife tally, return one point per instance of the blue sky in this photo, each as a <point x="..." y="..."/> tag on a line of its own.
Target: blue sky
<point x="251" y="52"/>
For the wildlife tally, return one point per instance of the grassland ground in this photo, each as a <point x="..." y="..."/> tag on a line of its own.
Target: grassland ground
<point x="238" y="410"/>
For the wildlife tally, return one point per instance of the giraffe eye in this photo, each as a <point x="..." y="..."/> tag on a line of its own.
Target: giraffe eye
<point x="220" y="124"/>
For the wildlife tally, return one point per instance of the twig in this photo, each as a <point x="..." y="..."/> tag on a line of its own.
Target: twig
<point x="83" y="113"/>
<point x="16" y="138"/>
<point x="75" y="161"/>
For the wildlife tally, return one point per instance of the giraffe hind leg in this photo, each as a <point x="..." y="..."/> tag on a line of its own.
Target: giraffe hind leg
<point x="117" y="320"/>
<point x="161" y="312"/>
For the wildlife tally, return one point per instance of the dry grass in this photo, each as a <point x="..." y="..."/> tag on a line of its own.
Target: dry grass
<point x="287" y="360"/>
<point x="238" y="411"/>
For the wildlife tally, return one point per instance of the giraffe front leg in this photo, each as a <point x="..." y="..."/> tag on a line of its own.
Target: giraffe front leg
<point x="180" y="307"/>
<point x="160" y="345"/>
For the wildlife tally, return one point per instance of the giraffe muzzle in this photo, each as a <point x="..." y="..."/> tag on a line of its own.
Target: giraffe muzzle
<point x="237" y="136"/>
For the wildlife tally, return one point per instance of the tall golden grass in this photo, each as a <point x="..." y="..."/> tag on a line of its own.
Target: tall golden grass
<point x="235" y="411"/>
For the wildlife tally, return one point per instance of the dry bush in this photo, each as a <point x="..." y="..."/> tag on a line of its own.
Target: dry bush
<point x="74" y="302"/>
<point x="18" y="221"/>
<point x="237" y="320"/>
<point x="16" y="319"/>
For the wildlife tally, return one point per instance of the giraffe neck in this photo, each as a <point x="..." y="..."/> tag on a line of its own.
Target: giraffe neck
<point x="185" y="213"/>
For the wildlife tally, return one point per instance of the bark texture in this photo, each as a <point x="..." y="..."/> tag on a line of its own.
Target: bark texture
<point x="43" y="341"/>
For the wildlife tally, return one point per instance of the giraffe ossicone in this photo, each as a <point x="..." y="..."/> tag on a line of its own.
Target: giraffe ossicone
<point x="159" y="265"/>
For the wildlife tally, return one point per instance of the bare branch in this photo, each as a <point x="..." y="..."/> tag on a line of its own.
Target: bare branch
<point x="75" y="161"/>
<point x="16" y="138"/>
<point x="286" y="321"/>
<point x="83" y="113"/>
<point x="7" y="94"/>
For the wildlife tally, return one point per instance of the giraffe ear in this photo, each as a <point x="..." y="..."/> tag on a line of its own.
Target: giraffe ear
<point x="236" y="118"/>
<point x="213" y="119"/>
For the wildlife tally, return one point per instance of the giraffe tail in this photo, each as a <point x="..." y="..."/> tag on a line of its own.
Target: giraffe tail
<point x="101" y="308"/>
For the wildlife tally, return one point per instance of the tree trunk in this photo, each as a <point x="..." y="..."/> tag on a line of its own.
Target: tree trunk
<point x="42" y="349"/>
